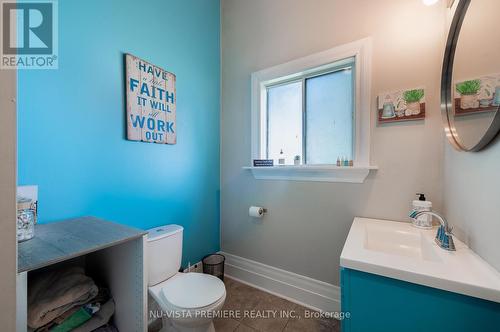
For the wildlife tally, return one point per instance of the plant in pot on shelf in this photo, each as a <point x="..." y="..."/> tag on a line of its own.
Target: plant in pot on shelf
<point x="412" y="99"/>
<point x="469" y="91"/>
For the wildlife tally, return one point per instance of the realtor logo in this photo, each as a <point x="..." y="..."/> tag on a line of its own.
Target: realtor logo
<point x="29" y="35"/>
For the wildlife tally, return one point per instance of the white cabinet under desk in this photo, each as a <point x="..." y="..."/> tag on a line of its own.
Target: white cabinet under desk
<point x="111" y="253"/>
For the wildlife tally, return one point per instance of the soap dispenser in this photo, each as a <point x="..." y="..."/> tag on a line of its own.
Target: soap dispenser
<point x="281" y="158"/>
<point x="422" y="204"/>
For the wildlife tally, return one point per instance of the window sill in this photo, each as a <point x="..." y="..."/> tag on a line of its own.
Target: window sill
<point x="323" y="173"/>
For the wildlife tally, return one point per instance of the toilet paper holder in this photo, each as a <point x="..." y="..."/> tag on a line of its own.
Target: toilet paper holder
<point x="256" y="211"/>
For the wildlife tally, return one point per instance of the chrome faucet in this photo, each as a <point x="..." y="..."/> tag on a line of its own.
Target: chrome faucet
<point x="444" y="238"/>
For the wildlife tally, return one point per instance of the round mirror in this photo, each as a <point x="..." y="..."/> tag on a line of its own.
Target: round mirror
<point x="470" y="86"/>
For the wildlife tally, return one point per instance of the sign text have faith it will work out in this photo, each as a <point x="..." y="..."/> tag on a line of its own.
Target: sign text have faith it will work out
<point x="151" y="102"/>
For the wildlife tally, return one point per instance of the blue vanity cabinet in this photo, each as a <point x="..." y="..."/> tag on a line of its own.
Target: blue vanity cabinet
<point x="376" y="303"/>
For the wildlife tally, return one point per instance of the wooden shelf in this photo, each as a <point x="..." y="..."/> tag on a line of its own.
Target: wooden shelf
<point x="462" y="112"/>
<point x="420" y="116"/>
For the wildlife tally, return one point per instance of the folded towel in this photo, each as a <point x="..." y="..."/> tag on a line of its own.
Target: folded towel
<point x="99" y="319"/>
<point x="66" y="322"/>
<point x="76" y="319"/>
<point x="56" y="321"/>
<point x="52" y="293"/>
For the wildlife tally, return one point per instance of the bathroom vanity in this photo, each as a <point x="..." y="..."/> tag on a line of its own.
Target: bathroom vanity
<point x="111" y="254"/>
<point x="394" y="277"/>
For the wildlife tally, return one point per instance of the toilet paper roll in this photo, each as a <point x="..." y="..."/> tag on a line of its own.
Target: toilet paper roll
<point x="256" y="211"/>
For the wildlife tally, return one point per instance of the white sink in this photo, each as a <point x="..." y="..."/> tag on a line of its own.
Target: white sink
<point x="399" y="250"/>
<point x="400" y="241"/>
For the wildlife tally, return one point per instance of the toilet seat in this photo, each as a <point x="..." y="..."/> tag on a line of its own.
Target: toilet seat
<point x="187" y="291"/>
<point x="192" y="312"/>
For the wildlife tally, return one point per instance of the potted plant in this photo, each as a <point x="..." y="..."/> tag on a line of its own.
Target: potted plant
<point x="412" y="99"/>
<point x="469" y="91"/>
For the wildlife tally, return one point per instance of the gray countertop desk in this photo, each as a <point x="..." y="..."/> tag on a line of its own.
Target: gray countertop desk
<point x="58" y="241"/>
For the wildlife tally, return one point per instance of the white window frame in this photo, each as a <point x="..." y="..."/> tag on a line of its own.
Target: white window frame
<point x="361" y="51"/>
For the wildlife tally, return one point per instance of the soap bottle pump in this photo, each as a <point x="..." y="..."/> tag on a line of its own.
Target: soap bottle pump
<point x="422" y="204"/>
<point x="281" y="158"/>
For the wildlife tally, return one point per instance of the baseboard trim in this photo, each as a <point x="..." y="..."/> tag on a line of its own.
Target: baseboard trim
<point x="308" y="292"/>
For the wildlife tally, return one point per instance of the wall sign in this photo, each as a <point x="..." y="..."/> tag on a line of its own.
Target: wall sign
<point x="151" y="102"/>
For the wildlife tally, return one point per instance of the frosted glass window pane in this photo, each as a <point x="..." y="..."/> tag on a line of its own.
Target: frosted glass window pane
<point x="284" y="132"/>
<point x="329" y="117"/>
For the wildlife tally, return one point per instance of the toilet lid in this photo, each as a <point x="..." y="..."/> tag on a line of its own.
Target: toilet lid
<point x="193" y="290"/>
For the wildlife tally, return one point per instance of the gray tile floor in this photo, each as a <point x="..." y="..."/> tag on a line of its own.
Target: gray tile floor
<point x="248" y="309"/>
<point x="242" y="298"/>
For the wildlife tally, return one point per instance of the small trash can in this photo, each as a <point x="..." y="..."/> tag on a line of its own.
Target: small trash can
<point x="214" y="264"/>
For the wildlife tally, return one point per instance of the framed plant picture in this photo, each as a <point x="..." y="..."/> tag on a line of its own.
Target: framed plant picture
<point x="402" y="105"/>
<point x="479" y="95"/>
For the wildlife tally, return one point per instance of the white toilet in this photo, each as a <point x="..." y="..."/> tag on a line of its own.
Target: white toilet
<point x="188" y="301"/>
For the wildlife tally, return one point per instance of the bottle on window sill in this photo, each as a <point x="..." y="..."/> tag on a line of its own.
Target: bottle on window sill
<point x="281" y="159"/>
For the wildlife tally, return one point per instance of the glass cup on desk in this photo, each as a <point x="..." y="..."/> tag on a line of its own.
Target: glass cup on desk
<point x="25" y="219"/>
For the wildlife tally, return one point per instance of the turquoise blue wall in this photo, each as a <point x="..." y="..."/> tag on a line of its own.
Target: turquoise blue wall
<point x="71" y="123"/>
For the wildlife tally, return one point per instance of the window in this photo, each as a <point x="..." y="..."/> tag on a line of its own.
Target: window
<point x="312" y="116"/>
<point x="284" y="121"/>
<point x="316" y="107"/>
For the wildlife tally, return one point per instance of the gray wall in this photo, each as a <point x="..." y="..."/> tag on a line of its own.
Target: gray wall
<point x="471" y="195"/>
<point x="308" y="222"/>
<point x="8" y="238"/>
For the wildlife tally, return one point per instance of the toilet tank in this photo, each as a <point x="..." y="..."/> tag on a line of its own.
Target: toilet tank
<point x="164" y="250"/>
